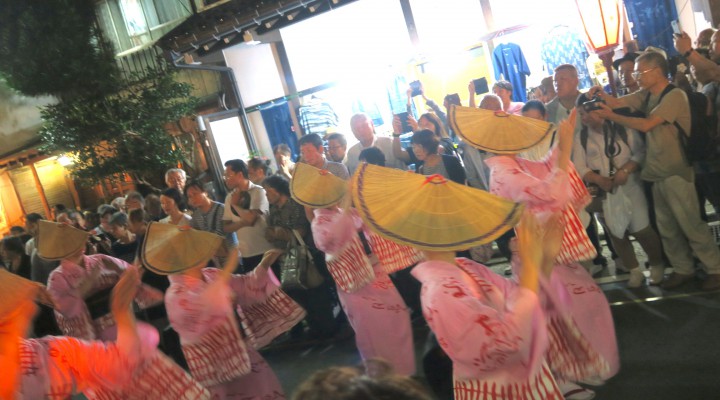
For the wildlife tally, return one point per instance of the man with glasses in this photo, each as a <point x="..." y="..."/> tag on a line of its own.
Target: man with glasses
<point x="337" y="147"/>
<point x="676" y="205"/>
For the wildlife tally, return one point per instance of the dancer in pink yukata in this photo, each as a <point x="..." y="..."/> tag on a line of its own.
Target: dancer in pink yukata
<point x="202" y="304"/>
<point x="59" y="367"/>
<point x="359" y="262"/>
<point x="80" y="287"/>
<point x="582" y="333"/>
<point x="493" y="329"/>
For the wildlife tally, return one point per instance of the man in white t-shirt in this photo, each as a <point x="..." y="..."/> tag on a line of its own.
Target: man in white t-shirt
<point x="364" y="131"/>
<point x="245" y="209"/>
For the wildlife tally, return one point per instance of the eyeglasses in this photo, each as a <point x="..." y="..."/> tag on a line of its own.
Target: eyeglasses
<point x="637" y="74"/>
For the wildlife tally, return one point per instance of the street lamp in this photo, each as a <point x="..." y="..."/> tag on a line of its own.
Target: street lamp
<point x="601" y="21"/>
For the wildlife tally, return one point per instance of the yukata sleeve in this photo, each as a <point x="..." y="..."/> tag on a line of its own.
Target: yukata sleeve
<point x="96" y="364"/>
<point x="146" y="296"/>
<point x="194" y="313"/>
<point x="509" y="180"/>
<point x="480" y="339"/>
<point x="253" y="287"/>
<point x="333" y="232"/>
<point x="72" y="315"/>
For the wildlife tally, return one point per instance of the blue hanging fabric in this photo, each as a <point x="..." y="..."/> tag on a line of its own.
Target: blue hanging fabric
<point x="651" y="23"/>
<point x="279" y="127"/>
<point x="563" y="45"/>
<point x="509" y="60"/>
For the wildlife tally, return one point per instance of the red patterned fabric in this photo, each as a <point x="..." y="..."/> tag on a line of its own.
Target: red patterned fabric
<point x="576" y="245"/>
<point x="220" y="355"/>
<point x="570" y="356"/>
<point x="160" y="378"/>
<point x="351" y="270"/>
<point x="263" y="322"/>
<point x="540" y="387"/>
<point x="392" y="256"/>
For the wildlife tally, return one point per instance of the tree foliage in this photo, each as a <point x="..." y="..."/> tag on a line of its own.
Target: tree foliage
<point x="110" y="124"/>
<point x="54" y="47"/>
<point x="122" y="132"/>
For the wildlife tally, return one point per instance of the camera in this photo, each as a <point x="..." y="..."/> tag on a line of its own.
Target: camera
<point x="593" y="104"/>
<point x="481" y="86"/>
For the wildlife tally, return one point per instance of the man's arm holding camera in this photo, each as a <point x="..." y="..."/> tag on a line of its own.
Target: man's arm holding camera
<point x="609" y="103"/>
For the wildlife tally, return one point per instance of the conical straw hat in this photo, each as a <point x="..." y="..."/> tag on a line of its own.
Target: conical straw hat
<point x="57" y="241"/>
<point x="316" y="188"/>
<point x="13" y="290"/>
<point x="169" y="249"/>
<point x="429" y="213"/>
<point x="496" y="131"/>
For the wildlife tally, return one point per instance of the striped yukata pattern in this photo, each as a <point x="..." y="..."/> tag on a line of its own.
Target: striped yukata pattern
<point x="220" y="356"/>
<point x="393" y="257"/>
<point x="542" y="386"/>
<point x="262" y="322"/>
<point x="569" y="355"/>
<point x="351" y="270"/>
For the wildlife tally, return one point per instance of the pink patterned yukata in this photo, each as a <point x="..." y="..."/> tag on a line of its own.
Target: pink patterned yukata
<point x="218" y="356"/>
<point x="71" y="310"/>
<point x="55" y="368"/>
<point x="493" y="331"/>
<point x="375" y="309"/>
<point x="580" y="325"/>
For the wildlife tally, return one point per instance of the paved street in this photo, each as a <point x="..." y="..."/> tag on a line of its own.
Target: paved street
<point x="667" y="340"/>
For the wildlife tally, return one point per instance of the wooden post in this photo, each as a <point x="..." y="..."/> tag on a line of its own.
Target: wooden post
<point x="41" y="191"/>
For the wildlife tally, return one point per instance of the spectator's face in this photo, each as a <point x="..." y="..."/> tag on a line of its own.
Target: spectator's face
<point x="118" y="230"/>
<point x="137" y="227"/>
<point x="420" y="152"/>
<point x="715" y="47"/>
<point x="625" y="70"/>
<point x="282" y="159"/>
<point x="312" y="155"/>
<point x="196" y="197"/>
<point x="256" y="175"/>
<point x="534" y="114"/>
<point x="504" y="94"/>
<point x="31" y="227"/>
<point x="645" y="74"/>
<point x="424" y="123"/>
<point x="591" y="119"/>
<point x="273" y="196"/>
<point x="132" y="204"/>
<point x="363" y="129"/>
<point x="175" y="180"/>
<point x="168" y="205"/>
<point x="105" y="221"/>
<point x="566" y="83"/>
<point x="233" y="179"/>
<point x="336" y="151"/>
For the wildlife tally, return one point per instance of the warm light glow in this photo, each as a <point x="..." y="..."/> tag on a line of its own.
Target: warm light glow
<point x="65" y="160"/>
<point x="601" y="20"/>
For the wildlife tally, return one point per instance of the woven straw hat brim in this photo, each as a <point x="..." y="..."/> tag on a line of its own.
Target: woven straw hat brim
<point x="13" y="290"/>
<point x="429" y="214"/>
<point x="313" y="188"/>
<point x="497" y="132"/>
<point x="168" y="249"/>
<point x="57" y="241"/>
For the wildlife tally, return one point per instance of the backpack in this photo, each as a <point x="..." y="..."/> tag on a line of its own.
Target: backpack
<point x="701" y="144"/>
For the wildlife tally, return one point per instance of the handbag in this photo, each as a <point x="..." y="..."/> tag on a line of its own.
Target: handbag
<point x="297" y="269"/>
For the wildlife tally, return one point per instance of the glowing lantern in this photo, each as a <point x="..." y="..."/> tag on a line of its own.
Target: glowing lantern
<point x="601" y="21"/>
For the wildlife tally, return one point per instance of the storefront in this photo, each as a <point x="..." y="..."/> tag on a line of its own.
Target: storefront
<point x="360" y="58"/>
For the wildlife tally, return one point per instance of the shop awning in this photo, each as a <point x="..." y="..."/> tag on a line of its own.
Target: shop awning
<point x="225" y="23"/>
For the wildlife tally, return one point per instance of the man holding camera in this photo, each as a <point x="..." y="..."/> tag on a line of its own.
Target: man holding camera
<point x="676" y="206"/>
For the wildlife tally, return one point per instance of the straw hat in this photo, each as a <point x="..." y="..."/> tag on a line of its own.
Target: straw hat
<point x="496" y="131"/>
<point x="316" y="188"/>
<point x="13" y="290"/>
<point x="169" y="249"/>
<point x="57" y="241"/>
<point x="429" y="213"/>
